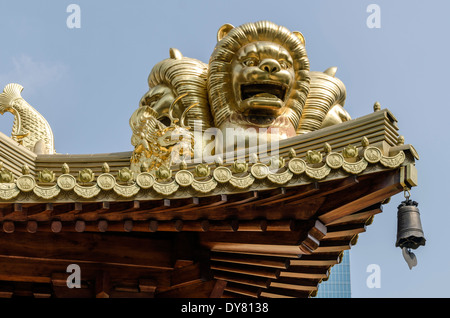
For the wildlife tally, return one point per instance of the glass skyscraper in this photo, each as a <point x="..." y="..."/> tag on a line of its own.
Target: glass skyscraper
<point x="338" y="283"/>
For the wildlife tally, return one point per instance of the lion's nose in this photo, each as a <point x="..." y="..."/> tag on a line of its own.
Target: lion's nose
<point x="270" y="66"/>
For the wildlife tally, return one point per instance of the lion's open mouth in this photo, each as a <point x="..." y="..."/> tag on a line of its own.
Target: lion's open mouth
<point x="260" y="117"/>
<point x="263" y="90"/>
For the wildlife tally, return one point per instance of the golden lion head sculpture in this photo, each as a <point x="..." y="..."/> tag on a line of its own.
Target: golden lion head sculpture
<point x="258" y="77"/>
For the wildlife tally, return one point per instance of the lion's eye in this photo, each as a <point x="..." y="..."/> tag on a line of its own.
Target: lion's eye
<point x="250" y="62"/>
<point x="285" y="64"/>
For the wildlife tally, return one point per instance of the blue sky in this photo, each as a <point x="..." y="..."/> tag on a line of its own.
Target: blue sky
<point x="88" y="81"/>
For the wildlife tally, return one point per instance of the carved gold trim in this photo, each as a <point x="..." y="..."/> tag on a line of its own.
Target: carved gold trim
<point x="318" y="173"/>
<point x="204" y="186"/>
<point x="242" y="182"/>
<point x="47" y="192"/>
<point x="126" y="191"/>
<point x="258" y="173"/>
<point x="87" y="192"/>
<point x="222" y="174"/>
<point x="355" y="167"/>
<point x="25" y="183"/>
<point x="165" y="188"/>
<point x="393" y="162"/>
<point x="297" y="166"/>
<point x="280" y="178"/>
<point x="145" y="180"/>
<point x="106" y="181"/>
<point x="184" y="178"/>
<point x="8" y="191"/>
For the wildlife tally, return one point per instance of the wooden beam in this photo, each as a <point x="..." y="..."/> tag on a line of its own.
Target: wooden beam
<point x="360" y="216"/>
<point x="243" y="290"/>
<point x="329" y="246"/>
<point x="316" y="260"/>
<point x="307" y="272"/>
<point x="196" y="226"/>
<point x="102" y="285"/>
<point x="285" y="293"/>
<point x="77" y="248"/>
<point x="274" y="262"/>
<point x="371" y="190"/>
<point x="260" y="282"/>
<point x="224" y="226"/>
<point x="345" y="230"/>
<point x="246" y="269"/>
<point x="218" y="289"/>
<point x="253" y="226"/>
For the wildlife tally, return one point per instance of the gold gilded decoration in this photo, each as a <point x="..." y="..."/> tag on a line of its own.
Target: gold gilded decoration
<point x="65" y="168"/>
<point x="183" y="165"/>
<point x="350" y="152"/>
<point x="222" y="174"/>
<point x="87" y="192"/>
<point x="46" y="176"/>
<point x="6" y="176"/>
<point x="355" y="167"/>
<point x="327" y="148"/>
<point x="126" y="191"/>
<point x="204" y="186"/>
<point x="29" y="128"/>
<point x="297" y="166"/>
<point x="156" y="144"/>
<point x="163" y="173"/>
<point x="393" y="162"/>
<point x="8" y="191"/>
<point x="145" y="180"/>
<point x="364" y="142"/>
<point x="376" y="107"/>
<point x="292" y="153"/>
<point x="239" y="167"/>
<point x="125" y="175"/>
<point x="105" y="168"/>
<point x="324" y="105"/>
<point x="280" y="178"/>
<point x="334" y="160"/>
<point x="259" y="171"/>
<point x="106" y="181"/>
<point x="250" y="72"/>
<point x="258" y="77"/>
<point x="313" y="156"/>
<point x="372" y="154"/>
<point x="276" y="162"/>
<point x="202" y="170"/>
<point x="46" y="192"/>
<point x="25" y="169"/>
<point x="165" y="188"/>
<point x="318" y="173"/>
<point x="25" y="183"/>
<point x="184" y="178"/>
<point x="66" y="182"/>
<point x="242" y="182"/>
<point x="86" y="175"/>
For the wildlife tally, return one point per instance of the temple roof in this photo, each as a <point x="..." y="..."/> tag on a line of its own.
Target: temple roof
<point x="231" y="230"/>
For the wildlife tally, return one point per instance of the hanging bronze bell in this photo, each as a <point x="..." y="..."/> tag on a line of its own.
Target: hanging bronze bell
<point x="409" y="228"/>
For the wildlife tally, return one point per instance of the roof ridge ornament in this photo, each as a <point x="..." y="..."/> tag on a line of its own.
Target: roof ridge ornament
<point x="30" y="128"/>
